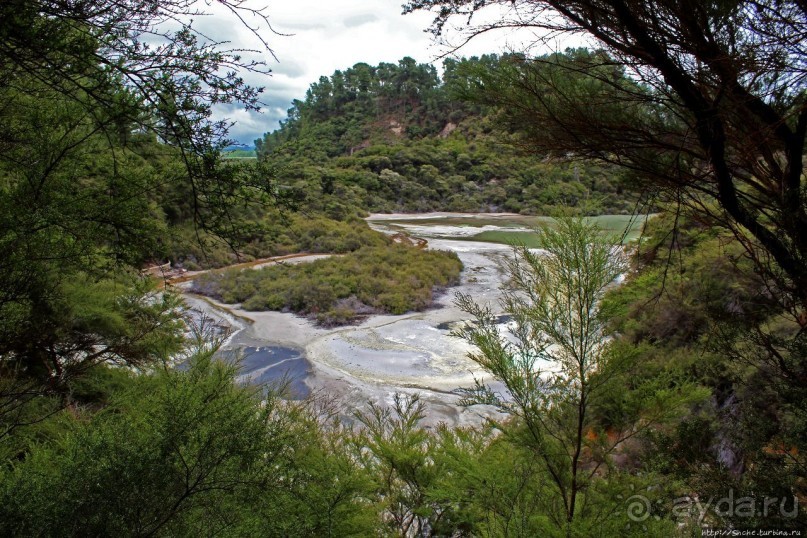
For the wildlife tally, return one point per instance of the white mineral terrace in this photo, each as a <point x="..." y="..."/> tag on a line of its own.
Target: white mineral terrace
<point x="409" y="353"/>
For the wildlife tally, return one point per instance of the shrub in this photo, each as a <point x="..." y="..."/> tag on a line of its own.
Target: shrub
<point x="393" y="279"/>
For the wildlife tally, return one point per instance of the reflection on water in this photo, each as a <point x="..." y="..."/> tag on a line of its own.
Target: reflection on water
<point x="272" y="366"/>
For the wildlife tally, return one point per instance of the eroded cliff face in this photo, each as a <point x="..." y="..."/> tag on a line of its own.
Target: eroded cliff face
<point x="726" y="450"/>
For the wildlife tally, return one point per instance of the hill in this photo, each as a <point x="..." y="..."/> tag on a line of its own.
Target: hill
<point x="398" y="137"/>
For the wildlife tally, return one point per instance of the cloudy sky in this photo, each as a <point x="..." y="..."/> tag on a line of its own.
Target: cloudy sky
<point x="321" y="36"/>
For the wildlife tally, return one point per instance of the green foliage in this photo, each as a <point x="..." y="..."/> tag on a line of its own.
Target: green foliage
<point x="637" y="101"/>
<point x="401" y="452"/>
<point x="271" y="234"/>
<point x="383" y="146"/>
<point x="394" y="279"/>
<point x="697" y="309"/>
<point x="108" y="161"/>
<point x="187" y="453"/>
<point x="100" y="135"/>
<point x="477" y="482"/>
<point x="83" y="323"/>
<point x="564" y="376"/>
<point x="447" y="482"/>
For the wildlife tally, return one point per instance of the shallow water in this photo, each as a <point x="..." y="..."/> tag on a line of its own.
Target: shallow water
<point x="502" y="319"/>
<point x="272" y="366"/>
<point x="411" y="353"/>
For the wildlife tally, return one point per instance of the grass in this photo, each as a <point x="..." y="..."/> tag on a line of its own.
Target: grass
<point x="528" y="239"/>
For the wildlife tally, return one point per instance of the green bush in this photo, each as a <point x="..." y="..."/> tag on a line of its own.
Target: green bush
<point x="271" y="234"/>
<point x="393" y="279"/>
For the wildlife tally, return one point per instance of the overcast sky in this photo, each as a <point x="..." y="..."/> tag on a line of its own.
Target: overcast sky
<point x="323" y="36"/>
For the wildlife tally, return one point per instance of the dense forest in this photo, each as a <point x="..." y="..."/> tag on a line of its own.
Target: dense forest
<point x="673" y="403"/>
<point x="399" y="138"/>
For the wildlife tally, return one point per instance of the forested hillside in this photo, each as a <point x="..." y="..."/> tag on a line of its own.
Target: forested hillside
<point x="387" y="138"/>
<point x="651" y="387"/>
<point x="397" y="137"/>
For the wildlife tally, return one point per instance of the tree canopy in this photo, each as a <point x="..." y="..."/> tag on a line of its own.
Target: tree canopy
<point x="105" y="124"/>
<point x="716" y="115"/>
<point x="396" y="137"/>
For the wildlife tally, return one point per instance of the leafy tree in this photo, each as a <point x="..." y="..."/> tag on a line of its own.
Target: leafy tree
<point x="705" y="103"/>
<point x="86" y="78"/>
<point x="175" y="444"/>
<point x="560" y="368"/>
<point x="87" y="51"/>
<point x="84" y="323"/>
<point x="105" y="123"/>
<point x="697" y="305"/>
<point x="187" y="453"/>
<point x="400" y="450"/>
<point x="424" y="479"/>
<point x="711" y="106"/>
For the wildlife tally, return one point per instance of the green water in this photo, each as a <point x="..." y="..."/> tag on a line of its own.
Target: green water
<point x="627" y="226"/>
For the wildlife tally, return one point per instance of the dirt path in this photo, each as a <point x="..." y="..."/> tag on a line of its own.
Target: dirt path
<point x="174" y="277"/>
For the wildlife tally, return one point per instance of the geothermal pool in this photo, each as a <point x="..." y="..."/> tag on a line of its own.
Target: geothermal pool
<point x="409" y="353"/>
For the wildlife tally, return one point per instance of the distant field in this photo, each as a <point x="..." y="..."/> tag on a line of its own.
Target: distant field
<point x="528" y="239"/>
<point x="475" y="220"/>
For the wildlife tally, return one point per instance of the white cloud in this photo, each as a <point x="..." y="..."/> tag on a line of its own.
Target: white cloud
<point x="321" y="36"/>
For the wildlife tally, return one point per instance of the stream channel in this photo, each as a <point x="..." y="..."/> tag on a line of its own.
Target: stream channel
<point x="385" y="354"/>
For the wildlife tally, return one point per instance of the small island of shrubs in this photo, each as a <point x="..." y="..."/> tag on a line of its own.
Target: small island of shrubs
<point x="390" y="279"/>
